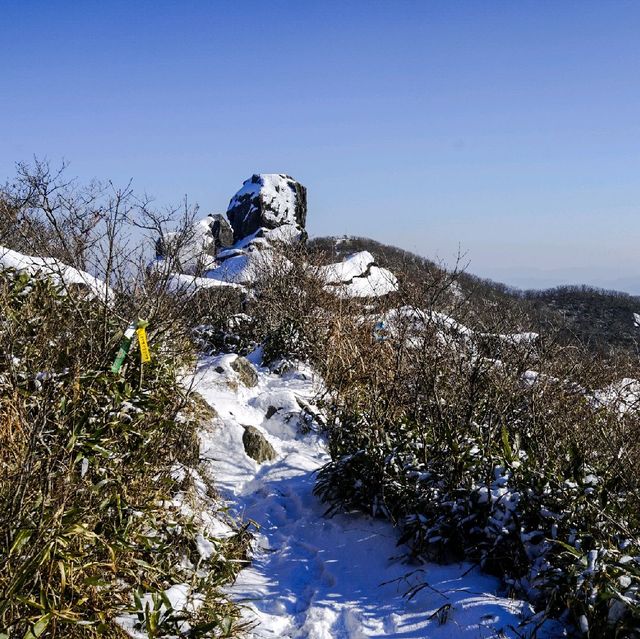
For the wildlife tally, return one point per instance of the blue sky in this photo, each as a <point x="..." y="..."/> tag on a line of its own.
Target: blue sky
<point x="508" y="129"/>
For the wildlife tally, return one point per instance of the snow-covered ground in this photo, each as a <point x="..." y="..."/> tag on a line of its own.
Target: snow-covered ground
<point x="56" y="270"/>
<point x="328" y="578"/>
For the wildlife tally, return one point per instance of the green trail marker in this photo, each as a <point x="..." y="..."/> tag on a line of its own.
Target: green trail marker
<point x="125" y="345"/>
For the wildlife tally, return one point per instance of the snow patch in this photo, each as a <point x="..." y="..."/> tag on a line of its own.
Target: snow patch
<point x="56" y="270"/>
<point x="623" y="396"/>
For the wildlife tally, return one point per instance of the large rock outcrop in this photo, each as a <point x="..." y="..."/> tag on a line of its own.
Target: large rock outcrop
<point x="268" y="201"/>
<point x="269" y="211"/>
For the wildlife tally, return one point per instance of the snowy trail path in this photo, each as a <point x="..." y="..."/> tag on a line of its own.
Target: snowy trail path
<point x="320" y="578"/>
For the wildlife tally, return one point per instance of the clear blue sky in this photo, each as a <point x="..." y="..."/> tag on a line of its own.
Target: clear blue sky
<point x="511" y="129"/>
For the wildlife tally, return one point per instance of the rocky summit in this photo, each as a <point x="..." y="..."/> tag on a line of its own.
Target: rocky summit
<point x="267" y="213"/>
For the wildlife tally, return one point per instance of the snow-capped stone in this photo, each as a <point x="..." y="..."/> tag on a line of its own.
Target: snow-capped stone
<point x="358" y="276"/>
<point x="268" y="201"/>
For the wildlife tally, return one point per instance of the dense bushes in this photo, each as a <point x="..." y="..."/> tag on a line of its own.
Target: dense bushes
<point x="509" y="462"/>
<point x="602" y="320"/>
<point x="90" y="507"/>
<point x="286" y="311"/>
<point x="599" y="318"/>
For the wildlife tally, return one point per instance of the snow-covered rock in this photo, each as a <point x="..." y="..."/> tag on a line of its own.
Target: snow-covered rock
<point x="623" y="395"/>
<point x="54" y="269"/>
<point x="246" y="372"/>
<point x="355" y="265"/>
<point x="221" y="230"/>
<point x="269" y="210"/>
<point x="187" y="284"/>
<point x="268" y="201"/>
<point x="256" y="445"/>
<point x="245" y="266"/>
<point x="358" y="276"/>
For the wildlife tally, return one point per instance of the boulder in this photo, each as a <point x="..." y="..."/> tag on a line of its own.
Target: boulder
<point x="202" y="409"/>
<point x="256" y="446"/>
<point x="245" y="371"/>
<point x="268" y="201"/>
<point x="220" y="230"/>
<point x="358" y="276"/>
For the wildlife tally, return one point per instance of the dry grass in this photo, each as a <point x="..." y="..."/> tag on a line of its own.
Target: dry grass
<point x="86" y="477"/>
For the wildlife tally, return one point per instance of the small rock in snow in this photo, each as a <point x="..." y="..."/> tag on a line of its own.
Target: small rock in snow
<point x="256" y="445"/>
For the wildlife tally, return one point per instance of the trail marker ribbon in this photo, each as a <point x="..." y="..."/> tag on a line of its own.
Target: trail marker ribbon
<point x="125" y="345"/>
<point x="139" y="328"/>
<point x="145" y="355"/>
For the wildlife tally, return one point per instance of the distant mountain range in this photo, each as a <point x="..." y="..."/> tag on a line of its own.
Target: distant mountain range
<point x="527" y="278"/>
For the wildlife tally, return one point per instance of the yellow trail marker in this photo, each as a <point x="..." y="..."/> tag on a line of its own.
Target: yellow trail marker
<point x="145" y="355"/>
